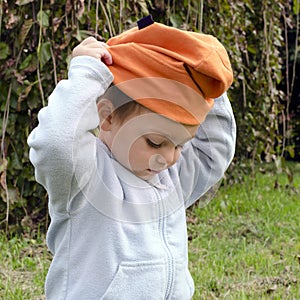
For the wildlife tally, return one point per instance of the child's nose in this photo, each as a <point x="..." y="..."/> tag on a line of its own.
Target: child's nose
<point x="169" y="156"/>
<point x="157" y="162"/>
<point x="161" y="160"/>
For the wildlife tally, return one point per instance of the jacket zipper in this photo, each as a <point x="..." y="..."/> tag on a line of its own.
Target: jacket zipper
<point x="170" y="261"/>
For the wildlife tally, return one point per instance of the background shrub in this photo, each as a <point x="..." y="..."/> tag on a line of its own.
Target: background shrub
<point x="36" y="41"/>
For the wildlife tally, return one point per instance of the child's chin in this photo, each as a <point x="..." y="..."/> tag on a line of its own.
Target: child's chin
<point x="144" y="175"/>
<point x="148" y="175"/>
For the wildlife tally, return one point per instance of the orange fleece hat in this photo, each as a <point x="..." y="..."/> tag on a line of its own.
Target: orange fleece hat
<point x="172" y="72"/>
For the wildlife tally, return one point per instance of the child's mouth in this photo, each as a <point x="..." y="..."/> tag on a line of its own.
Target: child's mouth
<point x="153" y="171"/>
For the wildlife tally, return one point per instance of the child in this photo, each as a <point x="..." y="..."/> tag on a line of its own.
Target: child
<point x="117" y="201"/>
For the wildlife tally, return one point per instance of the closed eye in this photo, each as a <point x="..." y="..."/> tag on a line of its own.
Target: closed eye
<point x="152" y="144"/>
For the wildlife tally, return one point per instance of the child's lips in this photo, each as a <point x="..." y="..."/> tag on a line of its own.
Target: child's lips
<point x="154" y="171"/>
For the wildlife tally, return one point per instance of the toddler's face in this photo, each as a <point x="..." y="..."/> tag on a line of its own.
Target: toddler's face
<point x="147" y="143"/>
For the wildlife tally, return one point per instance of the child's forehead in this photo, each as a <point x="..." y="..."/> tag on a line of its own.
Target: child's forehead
<point x="152" y="123"/>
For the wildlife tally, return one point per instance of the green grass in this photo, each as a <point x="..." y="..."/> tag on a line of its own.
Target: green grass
<point x="23" y="267"/>
<point x="244" y="245"/>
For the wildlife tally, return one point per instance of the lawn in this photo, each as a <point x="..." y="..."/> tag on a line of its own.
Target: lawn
<point x="23" y="267"/>
<point x="245" y="244"/>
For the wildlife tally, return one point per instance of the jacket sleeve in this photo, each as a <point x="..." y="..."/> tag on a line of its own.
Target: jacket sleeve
<point x="206" y="157"/>
<point x="61" y="146"/>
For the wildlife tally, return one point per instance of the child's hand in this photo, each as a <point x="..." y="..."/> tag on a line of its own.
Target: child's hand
<point x="91" y="47"/>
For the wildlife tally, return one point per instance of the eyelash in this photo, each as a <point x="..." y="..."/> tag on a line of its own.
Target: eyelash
<point x="153" y="145"/>
<point x="157" y="146"/>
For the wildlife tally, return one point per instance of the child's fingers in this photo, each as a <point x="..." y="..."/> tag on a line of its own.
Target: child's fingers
<point x="103" y="44"/>
<point x="88" y="40"/>
<point x="91" y="41"/>
<point x="91" y="47"/>
<point x="106" y="57"/>
<point x="102" y="52"/>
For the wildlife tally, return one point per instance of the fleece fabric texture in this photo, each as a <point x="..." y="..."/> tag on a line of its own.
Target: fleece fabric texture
<point x="113" y="235"/>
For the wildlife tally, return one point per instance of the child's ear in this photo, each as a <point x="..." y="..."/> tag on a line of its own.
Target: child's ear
<point x="105" y="110"/>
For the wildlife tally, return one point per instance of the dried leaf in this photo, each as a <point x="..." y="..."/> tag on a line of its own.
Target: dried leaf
<point x="79" y="8"/>
<point x="23" y="2"/>
<point x="25" y="30"/>
<point x="69" y="6"/>
<point x="143" y="7"/>
<point x="159" y="4"/>
<point x="56" y="23"/>
<point x="3" y="168"/>
<point x="20" y="78"/>
<point x="3" y="165"/>
<point x="272" y="289"/>
<point x="12" y="21"/>
<point x="24" y="95"/>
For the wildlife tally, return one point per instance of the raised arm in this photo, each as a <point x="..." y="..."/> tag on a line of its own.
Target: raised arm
<point x="62" y="143"/>
<point x="205" y="158"/>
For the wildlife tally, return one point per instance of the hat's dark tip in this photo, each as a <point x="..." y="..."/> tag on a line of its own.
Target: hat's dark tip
<point x="144" y="22"/>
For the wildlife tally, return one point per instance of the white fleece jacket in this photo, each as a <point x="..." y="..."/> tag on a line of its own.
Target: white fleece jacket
<point x="113" y="235"/>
